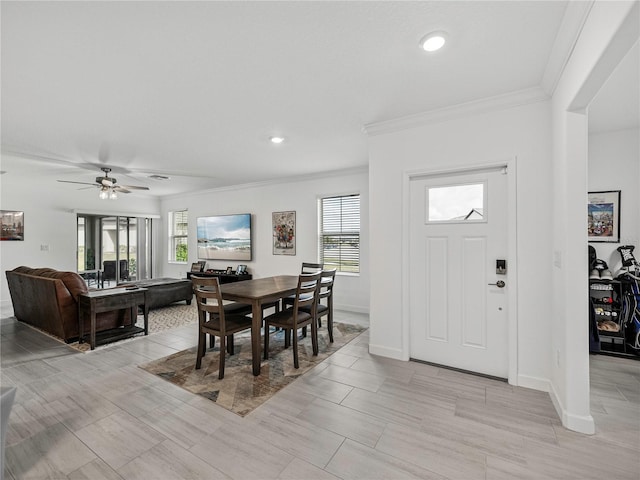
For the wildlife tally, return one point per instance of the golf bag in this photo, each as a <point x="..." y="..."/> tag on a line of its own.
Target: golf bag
<point x="630" y="277"/>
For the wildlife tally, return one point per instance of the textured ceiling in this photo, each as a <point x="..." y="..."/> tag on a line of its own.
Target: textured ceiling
<point x="194" y="89"/>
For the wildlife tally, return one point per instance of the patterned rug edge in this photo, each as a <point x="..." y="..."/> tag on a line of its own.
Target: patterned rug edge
<point x="240" y="392"/>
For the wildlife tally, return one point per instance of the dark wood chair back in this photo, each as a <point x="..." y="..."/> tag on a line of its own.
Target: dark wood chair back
<point x="215" y="319"/>
<point x="310" y="267"/>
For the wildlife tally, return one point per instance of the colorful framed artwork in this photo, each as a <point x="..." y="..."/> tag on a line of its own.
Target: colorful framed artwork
<point x="284" y="233"/>
<point x="603" y="216"/>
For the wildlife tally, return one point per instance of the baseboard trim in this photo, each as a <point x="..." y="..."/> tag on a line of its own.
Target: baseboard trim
<point x="352" y="308"/>
<point x="383" y="351"/>
<point x="578" y="423"/>
<point x="534" y="383"/>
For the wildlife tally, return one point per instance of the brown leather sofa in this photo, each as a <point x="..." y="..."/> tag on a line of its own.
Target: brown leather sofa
<point x="48" y="299"/>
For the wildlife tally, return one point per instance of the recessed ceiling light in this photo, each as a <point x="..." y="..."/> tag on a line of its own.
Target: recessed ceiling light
<point x="433" y="41"/>
<point x="276" y="140"/>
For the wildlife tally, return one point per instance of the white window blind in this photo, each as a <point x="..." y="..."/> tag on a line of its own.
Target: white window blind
<point x="339" y="242"/>
<point x="178" y="236"/>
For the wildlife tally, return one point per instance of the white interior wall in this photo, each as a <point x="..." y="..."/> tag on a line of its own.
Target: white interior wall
<point x="610" y="30"/>
<point x="519" y="132"/>
<point x="50" y="238"/>
<point x="614" y="165"/>
<point x="351" y="291"/>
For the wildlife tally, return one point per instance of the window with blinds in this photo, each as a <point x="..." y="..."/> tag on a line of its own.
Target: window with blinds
<point x="178" y="236"/>
<point x="339" y="233"/>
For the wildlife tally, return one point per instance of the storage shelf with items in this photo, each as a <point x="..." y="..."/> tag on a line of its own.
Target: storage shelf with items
<point x="606" y="296"/>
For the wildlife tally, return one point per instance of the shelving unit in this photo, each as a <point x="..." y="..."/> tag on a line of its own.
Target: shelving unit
<point x="606" y="296"/>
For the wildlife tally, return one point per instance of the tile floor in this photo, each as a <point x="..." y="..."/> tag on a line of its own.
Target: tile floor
<point x="356" y="416"/>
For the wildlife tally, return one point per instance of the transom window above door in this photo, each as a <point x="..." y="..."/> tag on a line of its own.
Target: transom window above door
<point x="456" y="203"/>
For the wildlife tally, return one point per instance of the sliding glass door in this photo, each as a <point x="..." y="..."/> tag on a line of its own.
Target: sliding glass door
<point x="124" y="246"/>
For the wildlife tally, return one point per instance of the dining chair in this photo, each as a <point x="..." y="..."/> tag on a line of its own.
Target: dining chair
<point x="217" y="319"/>
<point x="109" y="271"/>
<point x="326" y="292"/>
<point x="294" y="318"/>
<point x="306" y="268"/>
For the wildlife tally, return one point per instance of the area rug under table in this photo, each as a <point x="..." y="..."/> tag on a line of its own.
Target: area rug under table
<point x="240" y="391"/>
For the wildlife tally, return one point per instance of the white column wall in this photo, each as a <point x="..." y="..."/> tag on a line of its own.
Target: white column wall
<point x="351" y="291"/>
<point x="609" y="32"/>
<point x="520" y="132"/>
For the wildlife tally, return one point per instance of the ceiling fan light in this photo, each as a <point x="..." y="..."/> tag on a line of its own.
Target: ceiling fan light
<point x="433" y="41"/>
<point x="104" y="193"/>
<point x="113" y="195"/>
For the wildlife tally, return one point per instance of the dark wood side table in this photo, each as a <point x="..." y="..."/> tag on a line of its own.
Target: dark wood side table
<point x="94" y="302"/>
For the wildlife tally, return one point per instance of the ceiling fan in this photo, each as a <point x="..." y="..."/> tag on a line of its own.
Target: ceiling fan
<point x="108" y="186"/>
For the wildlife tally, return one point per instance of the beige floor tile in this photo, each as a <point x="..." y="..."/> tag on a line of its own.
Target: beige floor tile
<point x="240" y="454"/>
<point x="341" y="360"/>
<point x="344" y="421"/>
<point x="299" y="438"/>
<point x="80" y="409"/>
<point x="567" y="461"/>
<point x="144" y="400"/>
<point x="434" y="401"/>
<point x="508" y="419"/>
<point x="486" y="439"/>
<point x="52" y="453"/>
<point x="356" y="461"/>
<point x="119" y="438"/>
<point x="524" y="399"/>
<point x="149" y="349"/>
<point x="183" y="423"/>
<point x="447" y="457"/>
<point x="95" y="470"/>
<point x="25" y="373"/>
<point x="384" y="367"/>
<point x="29" y="418"/>
<point x="501" y="469"/>
<point x="354" y="378"/>
<point x="443" y="387"/>
<point x="385" y="407"/>
<point x="322" y="388"/>
<point x="299" y="469"/>
<point x="169" y="461"/>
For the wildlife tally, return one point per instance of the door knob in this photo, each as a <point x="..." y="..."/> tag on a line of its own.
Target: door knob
<point x="499" y="284"/>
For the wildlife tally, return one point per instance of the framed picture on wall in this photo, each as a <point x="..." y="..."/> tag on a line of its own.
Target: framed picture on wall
<point x="12" y="225"/>
<point x="284" y="233"/>
<point x="603" y="216"/>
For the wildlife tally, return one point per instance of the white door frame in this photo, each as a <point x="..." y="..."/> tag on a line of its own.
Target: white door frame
<point x="512" y="291"/>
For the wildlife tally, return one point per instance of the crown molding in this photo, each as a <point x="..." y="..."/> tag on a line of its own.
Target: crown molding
<point x="279" y="181"/>
<point x="498" y="102"/>
<point x="575" y="16"/>
<point x="111" y="213"/>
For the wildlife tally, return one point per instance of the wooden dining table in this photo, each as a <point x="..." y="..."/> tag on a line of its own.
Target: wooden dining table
<point x="256" y="293"/>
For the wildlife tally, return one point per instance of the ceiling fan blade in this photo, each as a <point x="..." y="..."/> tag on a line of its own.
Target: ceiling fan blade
<point x="106" y="182"/>
<point x="81" y="183"/>
<point x="121" y="189"/>
<point x="134" y="187"/>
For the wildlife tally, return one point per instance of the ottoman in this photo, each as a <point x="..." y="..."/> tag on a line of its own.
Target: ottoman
<point x="164" y="291"/>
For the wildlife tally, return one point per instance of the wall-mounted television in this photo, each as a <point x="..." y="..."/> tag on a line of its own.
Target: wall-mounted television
<point x="224" y="237"/>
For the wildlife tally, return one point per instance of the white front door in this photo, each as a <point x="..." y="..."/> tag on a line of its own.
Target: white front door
<point x="458" y="232"/>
